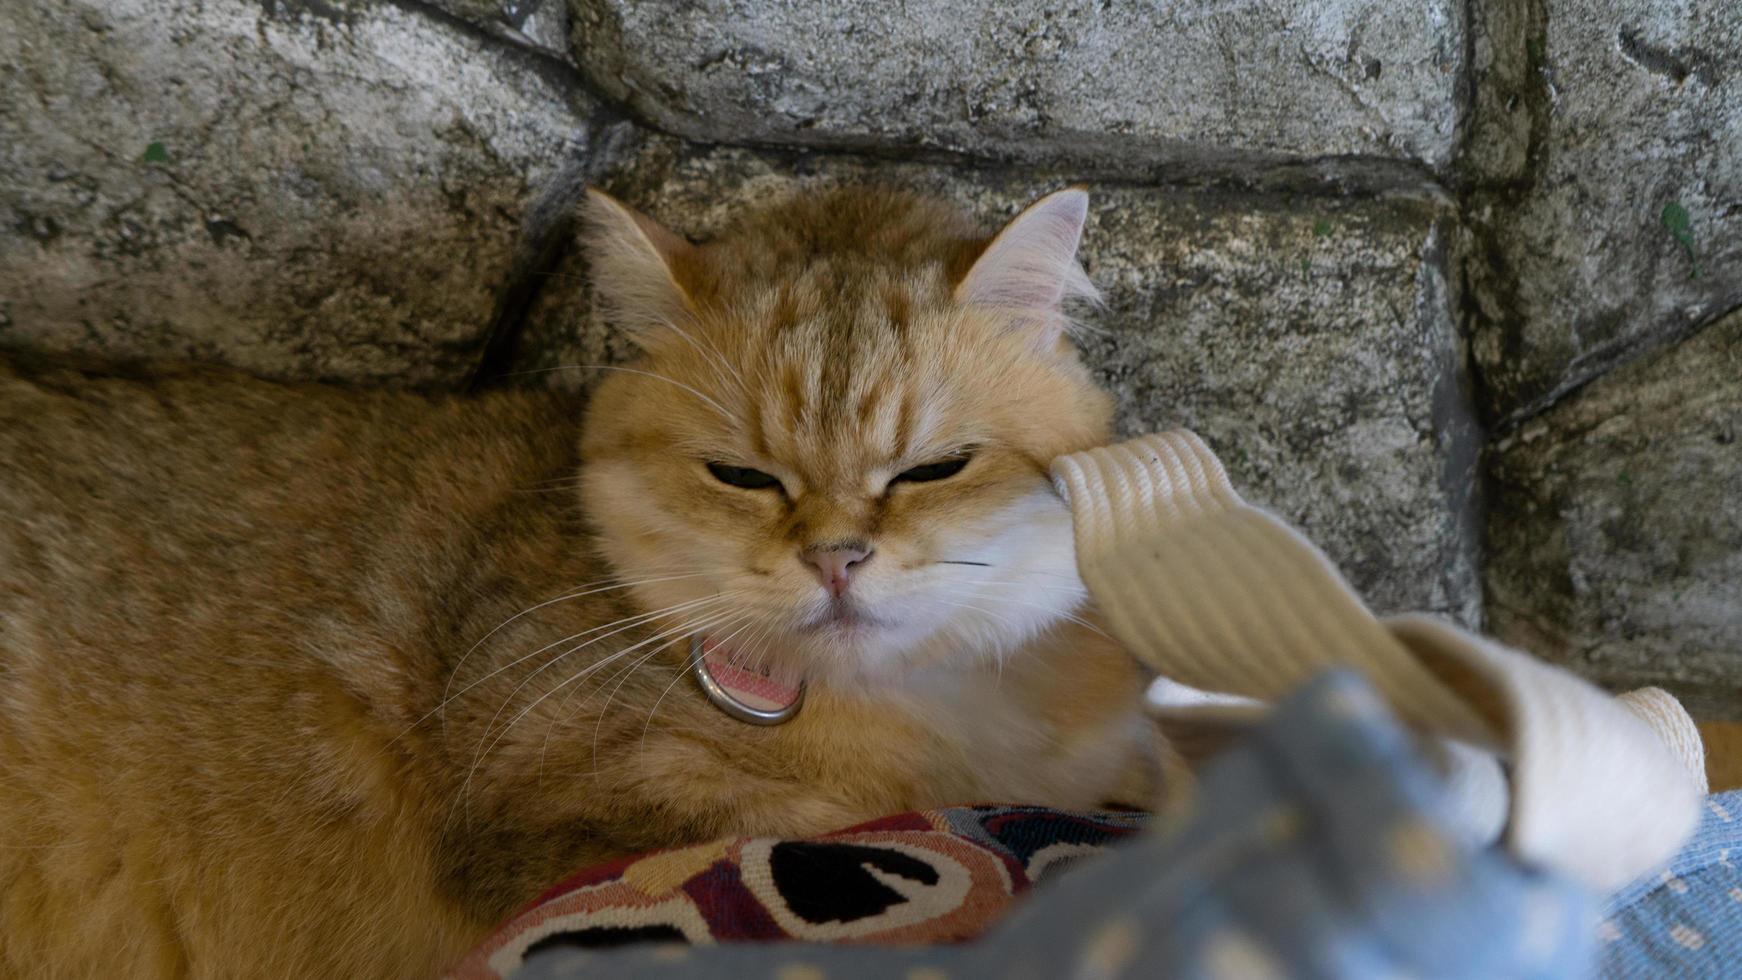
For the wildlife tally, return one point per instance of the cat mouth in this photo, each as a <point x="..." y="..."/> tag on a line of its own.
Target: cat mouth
<point x="842" y="616"/>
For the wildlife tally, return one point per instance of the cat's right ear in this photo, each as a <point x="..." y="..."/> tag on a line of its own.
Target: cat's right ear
<point x="1030" y="270"/>
<point x="634" y="266"/>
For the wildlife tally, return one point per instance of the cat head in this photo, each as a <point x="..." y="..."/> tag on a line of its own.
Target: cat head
<point x="832" y="454"/>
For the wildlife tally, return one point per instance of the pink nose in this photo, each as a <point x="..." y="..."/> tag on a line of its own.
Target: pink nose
<point x="834" y="565"/>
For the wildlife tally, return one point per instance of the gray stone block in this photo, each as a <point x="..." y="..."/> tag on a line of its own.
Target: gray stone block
<point x="1610" y="138"/>
<point x="542" y="25"/>
<point x="1309" y="340"/>
<point x="1169" y="89"/>
<point x="1615" y="537"/>
<point x="319" y="189"/>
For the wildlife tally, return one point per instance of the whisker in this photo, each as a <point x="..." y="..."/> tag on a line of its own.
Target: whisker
<point x="571" y="482"/>
<point x="678" y="634"/>
<point x="762" y="650"/>
<point x="728" y="416"/>
<point x="749" y="621"/>
<point x="482" y="751"/>
<point x="713" y="355"/>
<point x="978" y="609"/>
<point x="630" y="623"/>
<point x="593" y="668"/>
<point x="449" y="699"/>
<point x="717" y="358"/>
<point x="1065" y="615"/>
<point x="562" y="708"/>
<point x="605" y="709"/>
<point x="585" y="590"/>
<point x="708" y="620"/>
<point x="565" y="489"/>
<point x="1017" y="583"/>
<point x="1064" y="575"/>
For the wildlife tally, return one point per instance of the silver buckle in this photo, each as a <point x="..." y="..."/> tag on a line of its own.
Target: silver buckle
<point x="724" y="700"/>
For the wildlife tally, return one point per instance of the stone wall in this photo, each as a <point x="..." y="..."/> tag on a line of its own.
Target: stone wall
<point x="1445" y="282"/>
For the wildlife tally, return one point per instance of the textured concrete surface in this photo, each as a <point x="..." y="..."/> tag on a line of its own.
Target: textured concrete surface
<point x="1161" y="89"/>
<point x="1615" y="535"/>
<point x="541" y="25"/>
<point x="313" y="189"/>
<point x="1619" y="127"/>
<point x="1311" y="342"/>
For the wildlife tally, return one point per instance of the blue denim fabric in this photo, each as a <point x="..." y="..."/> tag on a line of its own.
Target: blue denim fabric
<point x="1686" y="922"/>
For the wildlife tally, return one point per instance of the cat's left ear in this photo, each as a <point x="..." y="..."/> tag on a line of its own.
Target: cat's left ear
<point x="1030" y="269"/>
<point x="635" y="267"/>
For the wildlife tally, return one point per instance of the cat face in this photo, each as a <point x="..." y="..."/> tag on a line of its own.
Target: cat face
<point x="833" y="456"/>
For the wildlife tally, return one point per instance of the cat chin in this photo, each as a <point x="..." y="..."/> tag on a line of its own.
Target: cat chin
<point x="866" y="655"/>
<point x="854" y="654"/>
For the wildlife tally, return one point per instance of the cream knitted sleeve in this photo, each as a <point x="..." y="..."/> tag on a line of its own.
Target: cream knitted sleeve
<point x="1221" y="596"/>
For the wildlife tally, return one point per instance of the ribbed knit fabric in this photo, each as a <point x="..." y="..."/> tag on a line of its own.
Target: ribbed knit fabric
<point x="1659" y="709"/>
<point x="1223" y="597"/>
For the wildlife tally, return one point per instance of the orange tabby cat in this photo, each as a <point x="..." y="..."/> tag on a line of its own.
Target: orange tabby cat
<point x="297" y="681"/>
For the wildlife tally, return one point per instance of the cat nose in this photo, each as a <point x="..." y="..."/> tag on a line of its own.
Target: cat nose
<point x="834" y="564"/>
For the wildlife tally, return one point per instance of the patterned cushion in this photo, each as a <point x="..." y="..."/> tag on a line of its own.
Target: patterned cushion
<point x="936" y="876"/>
<point x="1317" y="846"/>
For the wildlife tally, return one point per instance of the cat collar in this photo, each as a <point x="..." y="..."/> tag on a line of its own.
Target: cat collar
<point x="748" y="694"/>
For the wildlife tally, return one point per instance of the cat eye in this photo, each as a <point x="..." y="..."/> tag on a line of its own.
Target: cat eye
<point x="742" y="476"/>
<point x="943" y="469"/>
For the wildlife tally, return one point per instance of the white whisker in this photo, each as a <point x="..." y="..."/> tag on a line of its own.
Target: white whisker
<point x="715" y="358"/>
<point x="484" y="750"/>
<point x="685" y="669"/>
<point x="728" y="416"/>
<point x="585" y="590"/>
<point x="630" y="620"/>
<point x="629" y="623"/>
<point x="978" y="609"/>
<point x="604" y="709"/>
<point x="1062" y="614"/>
<point x="562" y="708"/>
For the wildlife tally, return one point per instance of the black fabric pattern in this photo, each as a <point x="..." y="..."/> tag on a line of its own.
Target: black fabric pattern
<point x="823" y="882"/>
<point x="607" y="937"/>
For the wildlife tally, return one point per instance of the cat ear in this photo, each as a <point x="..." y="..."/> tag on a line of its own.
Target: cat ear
<point x="633" y="263"/>
<point x="1030" y="269"/>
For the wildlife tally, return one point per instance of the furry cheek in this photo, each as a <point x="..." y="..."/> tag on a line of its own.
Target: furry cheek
<point x="1029" y="580"/>
<point x="677" y="545"/>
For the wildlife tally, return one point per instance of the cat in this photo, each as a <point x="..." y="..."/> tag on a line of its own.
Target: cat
<point x="303" y="681"/>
